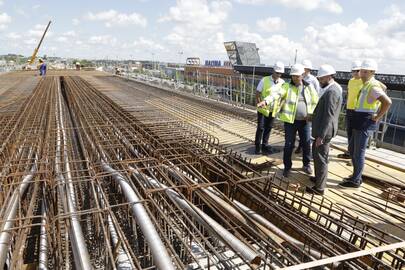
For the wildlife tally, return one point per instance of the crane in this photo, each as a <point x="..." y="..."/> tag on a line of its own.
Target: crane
<point x="34" y="55"/>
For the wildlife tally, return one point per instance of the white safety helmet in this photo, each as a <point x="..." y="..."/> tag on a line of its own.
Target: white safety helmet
<point x="369" y="64"/>
<point x="297" y="69"/>
<point x="278" y="67"/>
<point x="356" y="65"/>
<point x="307" y="64"/>
<point x="326" y="70"/>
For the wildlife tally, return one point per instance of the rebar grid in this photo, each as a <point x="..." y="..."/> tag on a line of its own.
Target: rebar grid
<point x="83" y="169"/>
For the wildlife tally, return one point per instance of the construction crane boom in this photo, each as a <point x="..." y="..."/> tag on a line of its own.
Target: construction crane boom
<point x="39" y="44"/>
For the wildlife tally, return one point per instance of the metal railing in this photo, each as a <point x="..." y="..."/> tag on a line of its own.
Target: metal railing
<point x="241" y="91"/>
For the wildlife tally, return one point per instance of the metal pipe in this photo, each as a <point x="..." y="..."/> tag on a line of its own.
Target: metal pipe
<point x="241" y="248"/>
<point x="266" y="226"/>
<point x="250" y="255"/>
<point x="159" y="252"/>
<point x="80" y="252"/>
<point x="123" y="260"/>
<point x="43" y="243"/>
<point x="11" y="213"/>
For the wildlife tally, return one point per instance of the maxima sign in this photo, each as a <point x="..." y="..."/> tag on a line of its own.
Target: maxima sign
<point x="213" y="63"/>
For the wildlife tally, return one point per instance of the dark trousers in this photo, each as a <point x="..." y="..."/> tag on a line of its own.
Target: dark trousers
<point x="264" y="125"/>
<point x="357" y="149"/>
<point x="321" y="158"/>
<point x="304" y="133"/>
<point x="349" y="124"/>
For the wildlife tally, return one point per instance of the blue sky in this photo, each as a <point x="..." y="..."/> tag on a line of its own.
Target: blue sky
<point x="325" y="31"/>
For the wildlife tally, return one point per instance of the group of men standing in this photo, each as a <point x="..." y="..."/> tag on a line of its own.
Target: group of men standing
<point x="316" y="101"/>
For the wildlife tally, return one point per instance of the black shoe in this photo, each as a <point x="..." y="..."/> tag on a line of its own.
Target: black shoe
<point x="307" y="169"/>
<point x="344" y="156"/>
<point x="298" y="150"/>
<point x="347" y="179"/>
<point x="349" y="184"/>
<point x="257" y="150"/>
<point x="286" y="173"/>
<point x="268" y="150"/>
<point x="315" y="191"/>
<point x="312" y="179"/>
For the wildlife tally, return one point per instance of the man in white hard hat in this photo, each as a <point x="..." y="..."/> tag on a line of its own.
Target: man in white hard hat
<point x="293" y="105"/>
<point x="312" y="80"/>
<point x="353" y="89"/>
<point x="265" y="119"/>
<point x="324" y="126"/>
<point x="309" y="78"/>
<point x="371" y="105"/>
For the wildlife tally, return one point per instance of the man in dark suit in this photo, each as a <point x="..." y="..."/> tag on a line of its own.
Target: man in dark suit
<point x="324" y="126"/>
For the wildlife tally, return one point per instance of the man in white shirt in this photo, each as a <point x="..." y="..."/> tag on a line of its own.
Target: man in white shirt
<point x="266" y="86"/>
<point x="371" y="105"/>
<point x="311" y="80"/>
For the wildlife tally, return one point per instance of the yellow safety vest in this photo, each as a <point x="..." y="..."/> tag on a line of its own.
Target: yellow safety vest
<point x="266" y="91"/>
<point x="353" y="88"/>
<point x="286" y="107"/>
<point x="362" y="104"/>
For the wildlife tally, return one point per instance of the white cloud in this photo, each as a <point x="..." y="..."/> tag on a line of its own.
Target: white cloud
<point x="75" y="21"/>
<point x="112" y="18"/>
<point x="5" y="19"/>
<point x="199" y="13"/>
<point x="62" y="39"/>
<point x="339" y="44"/>
<point x="147" y="44"/>
<point x="394" y="21"/>
<point x="13" y="35"/>
<point x="197" y="26"/>
<point x="38" y="31"/>
<point x="103" y="40"/>
<point x="271" y="48"/>
<point x="35" y="33"/>
<point x="21" y="12"/>
<point x="70" y="33"/>
<point x="271" y="24"/>
<point x="327" y="5"/>
<point x="31" y="41"/>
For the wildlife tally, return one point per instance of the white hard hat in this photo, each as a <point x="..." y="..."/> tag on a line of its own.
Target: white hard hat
<point x="297" y="69"/>
<point x="356" y="65"/>
<point x="326" y="70"/>
<point x="278" y="67"/>
<point x="307" y="64"/>
<point x="369" y="64"/>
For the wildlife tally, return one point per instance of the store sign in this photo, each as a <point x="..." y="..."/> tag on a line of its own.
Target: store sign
<point x="213" y="63"/>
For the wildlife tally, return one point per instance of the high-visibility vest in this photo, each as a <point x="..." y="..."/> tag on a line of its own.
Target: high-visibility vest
<point x="286" y="107"/>
<point x="266" y="91"/>
<point x="353" y="88"/>
<point x="362" y="104"/>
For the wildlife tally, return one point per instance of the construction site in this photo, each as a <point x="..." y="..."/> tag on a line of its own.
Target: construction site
<point x="103" y="172"/>
<point x="112" y="168"/>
